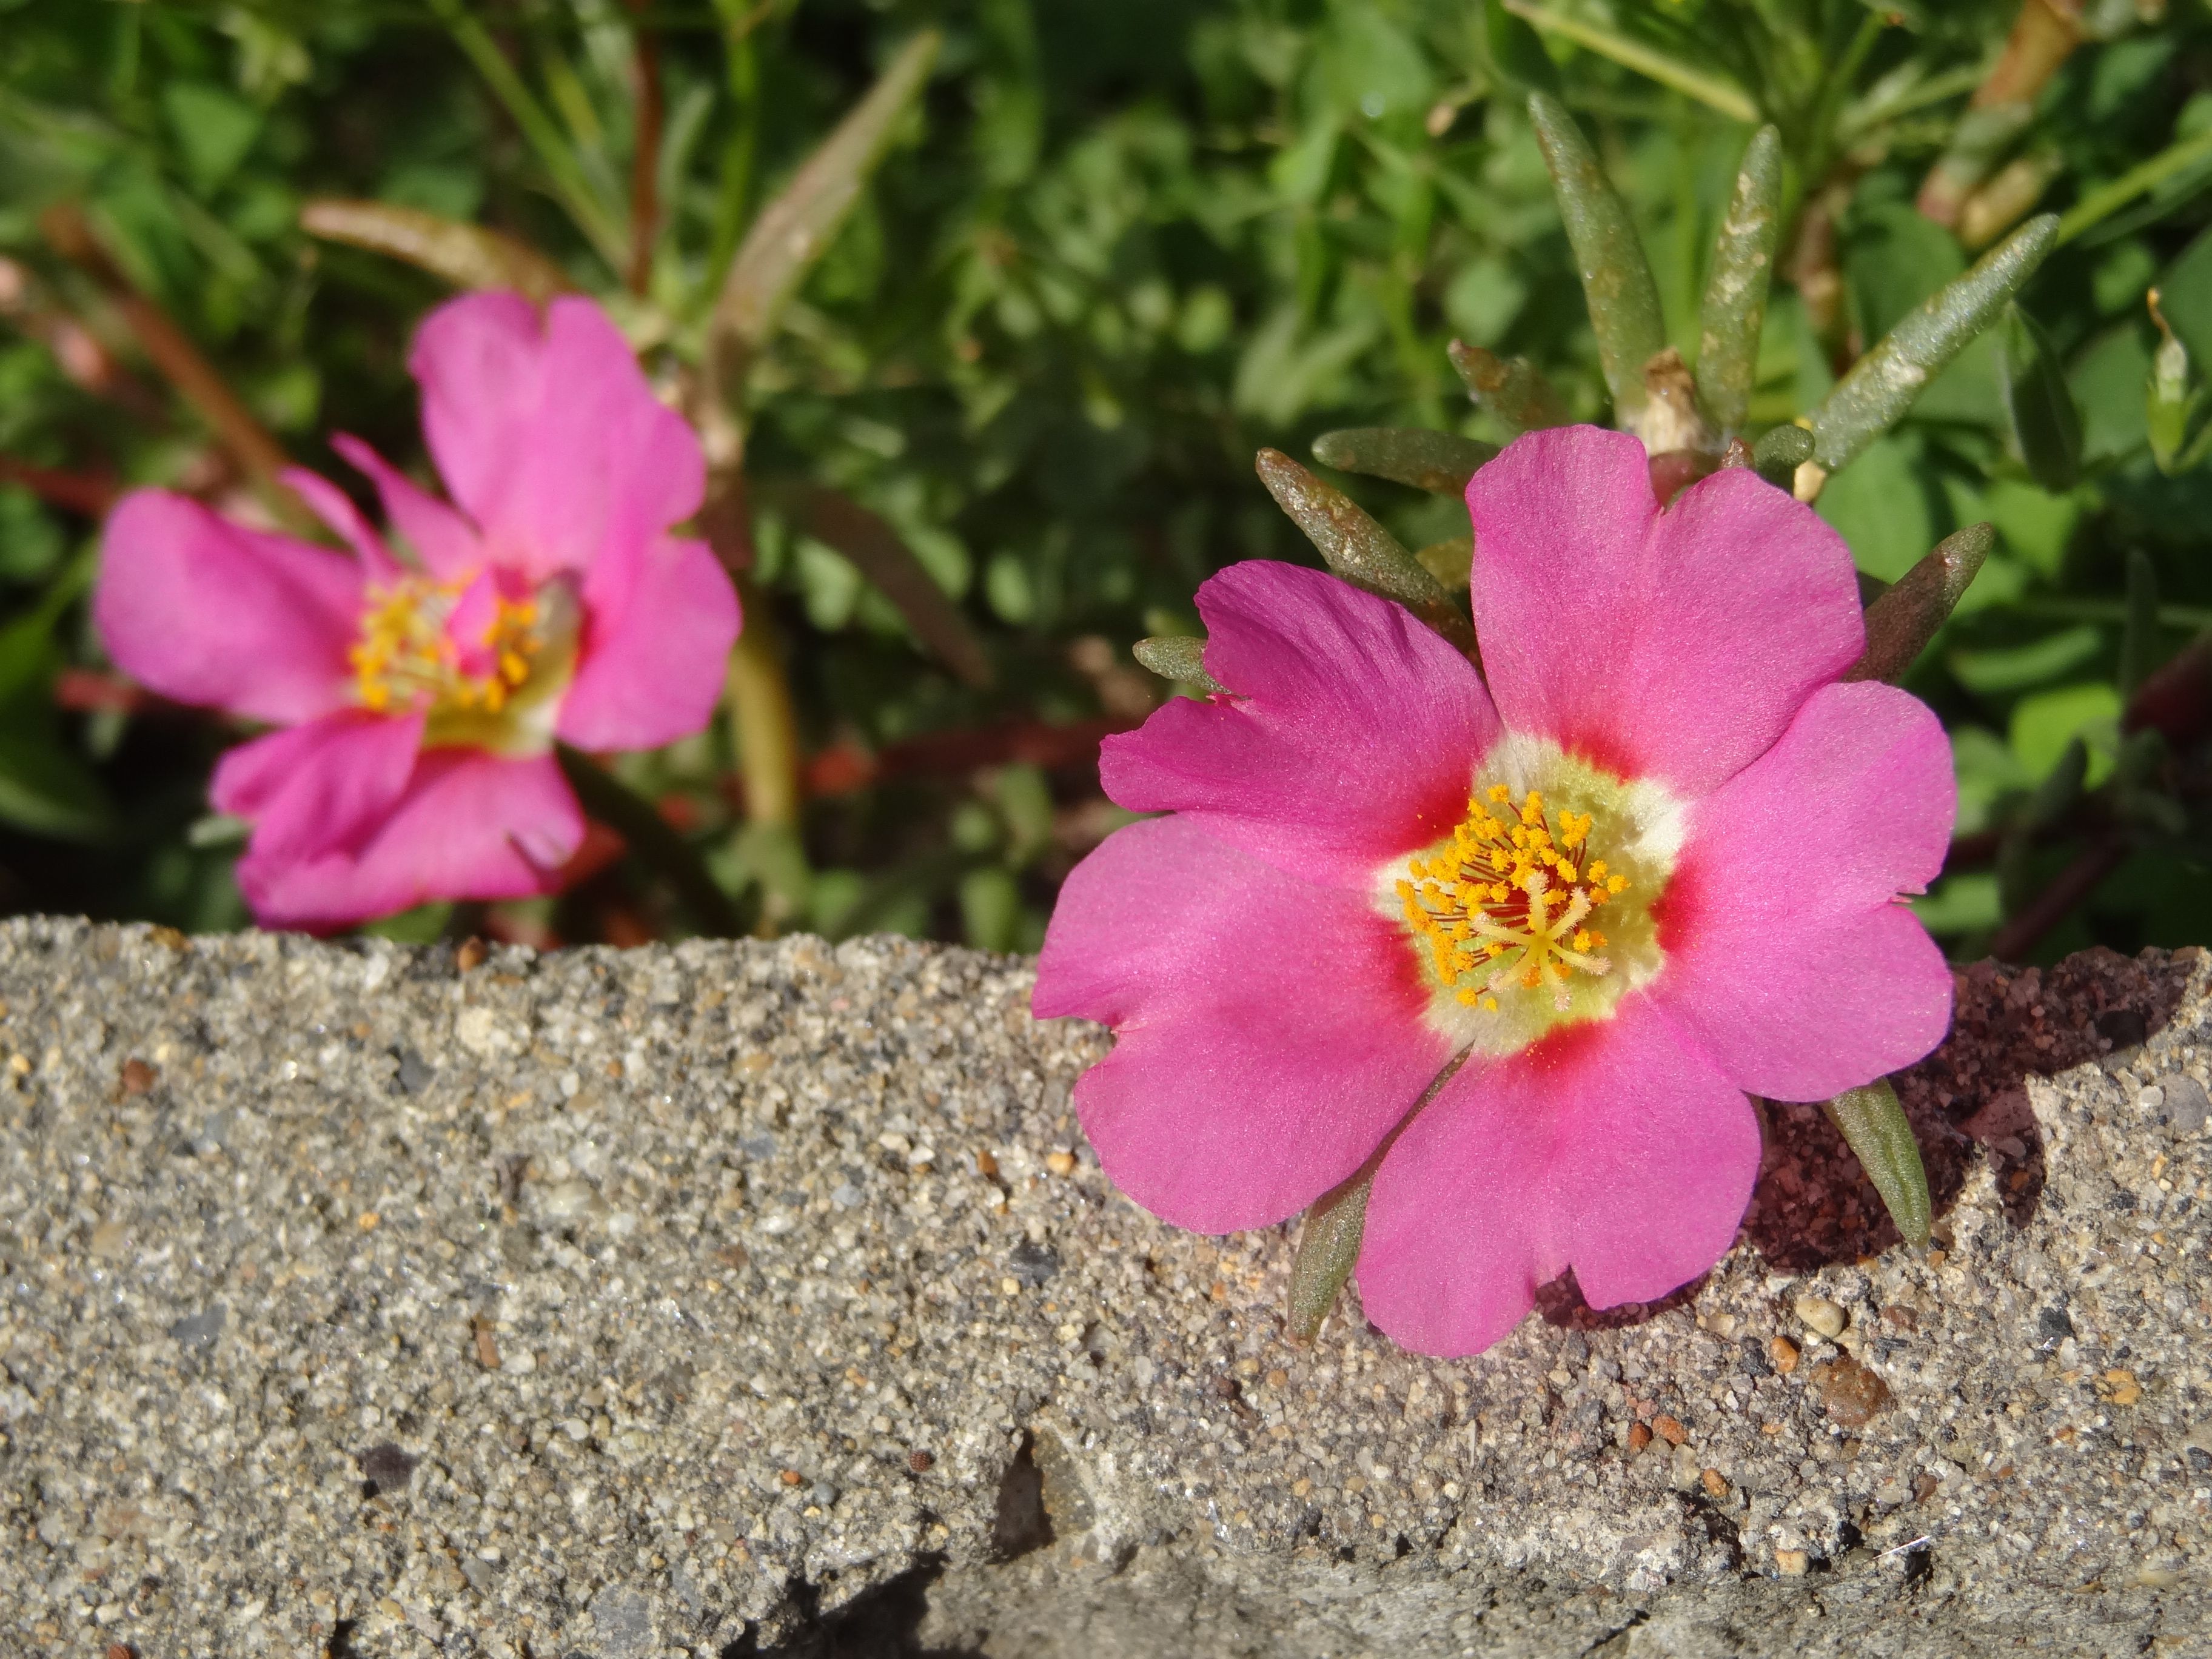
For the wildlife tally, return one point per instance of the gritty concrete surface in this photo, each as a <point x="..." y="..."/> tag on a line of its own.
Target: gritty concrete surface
<point x="763" y="1298"/>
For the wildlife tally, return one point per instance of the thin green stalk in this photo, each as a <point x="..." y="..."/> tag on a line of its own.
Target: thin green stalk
<point x="734" y="190"/>
<point x="607" y="799"/>
<point x="2138" y="180"/>
<point x="1730" y="100"/>
<point x="592" y="216"/>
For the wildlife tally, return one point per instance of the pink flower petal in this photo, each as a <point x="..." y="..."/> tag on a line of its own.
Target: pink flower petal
<point x="1613" y="1148"/>
<point x="1672" y="646"/>
<point x="336" y="509"/>
<point x="1268" y="1032"/>
<point x="551" y="438"/>
<point x="470" y="826"/>
<point x="444" y="540"/>
<point x="657" y="633"/>
<point x="322" y="786"/>
<point x="1786" y="955"/>
<point x="1352" y="738"/>
<point x="207" y="611"/>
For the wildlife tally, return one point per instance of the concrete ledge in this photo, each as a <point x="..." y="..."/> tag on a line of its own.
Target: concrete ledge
<point x="763" y="1298"/>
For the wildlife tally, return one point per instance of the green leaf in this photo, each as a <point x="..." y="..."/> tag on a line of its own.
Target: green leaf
<point x="1451" y="562"/>
<point x="1779" y="453"/>
<point x="45" y="787"/>
<point x="2046" y="725"/>
<point x="1884" y="507"/>
<point x="1624" y="300"/>
<point x="1439" y="462"/>
<point x="1359" y="549"/>
<point x="1881" y="386"/>
<point x="1512" y="388"/>
<point x="1999" y="670"/>
<point x="1900" y="624"/>
<point x="2046" y="428"/>
<point x="1328" y="1249"/>
<point x="467" y="256"/>
<point x="1735" y="307"/>
<point x="1874" y="1123"/>
<point x="2146" y="176"/>
<point x="793" y="230"/>
<point x="215" y="130"/>
<point x="1178" y="657"/>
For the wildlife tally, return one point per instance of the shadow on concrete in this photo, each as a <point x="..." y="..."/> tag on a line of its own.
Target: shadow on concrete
<point x="883" y="1623"/>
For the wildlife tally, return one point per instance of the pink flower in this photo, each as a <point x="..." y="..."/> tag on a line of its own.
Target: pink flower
<point x="418" y="698"/>
<point x="1652" y="865"/>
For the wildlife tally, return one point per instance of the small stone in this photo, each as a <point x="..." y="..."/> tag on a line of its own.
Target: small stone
<point x="1669" y="1431"/>
<point x="1684" y="1469"/>
<point x="2187" y="1105"/>
<point x="108" y="1240"/>
<point x="1060" y="1163"/>
<point x="1818" y="1314"/>
<point x="1032" y="1263"/>
<point x="1639" y="1436"/>
<point x="2053" y="1324"/>
<point x="1783" y="1353"/>
<point x="2120" y="1387"/>
<point x="790" y="1477"/>
<point x="200" y="1330"/>
<point x="386" y="1469"/>
<point x="468" y="954"/>
<point x="369" y="1221"/>
<point x="138" y="1077"/>
<point x="1791" y="1563"/>
<point x="1852" y="1393"/>
<point x="1717" y="1487"/>
<point x="920" y="1462"/>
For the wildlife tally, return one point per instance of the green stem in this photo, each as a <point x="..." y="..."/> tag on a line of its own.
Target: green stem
<point x="1730" y="100"/>
<point x="2139" y="181"/>
<point x="592" y="216"/>
<point x="607" y="799"/>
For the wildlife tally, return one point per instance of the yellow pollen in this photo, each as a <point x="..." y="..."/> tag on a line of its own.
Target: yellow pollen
<point x="1527" y="930"/>
<point x="405" y="661"/>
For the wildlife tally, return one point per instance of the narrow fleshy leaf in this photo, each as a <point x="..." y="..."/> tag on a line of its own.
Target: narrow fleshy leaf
<point x="1359" y="549"/>
<point x="796" y="227"/>
<point x="1875" y="1127"/>
<point x="1881" y="386"/>
<point x="1735" y="290"/>
<point x="1440" y="462"/>
<point x="1328" y="1249"/>
<point x="1180" y="658"/>
<point x="1512" y="388"/>
<point x="1779" y="453"/>
<point x="2046" y="425"/>
<point x="2139" y="635"/>
<point x="1900" y="623"/>
<point x="880" y="553"/>
<point x="467" y="256"/>
<point x="1451" y="562"/>
<point x="1624" y="300"/>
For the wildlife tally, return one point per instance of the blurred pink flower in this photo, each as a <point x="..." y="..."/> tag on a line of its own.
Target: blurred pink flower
<point x="419" y="692"/>
<point x="1653" y="865"/>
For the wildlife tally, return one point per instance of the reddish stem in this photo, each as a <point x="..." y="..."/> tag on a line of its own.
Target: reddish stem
<point x="645" y="157"/>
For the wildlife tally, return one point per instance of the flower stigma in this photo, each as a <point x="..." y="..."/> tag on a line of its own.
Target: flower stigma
<point x="1508" y="903"/>
<point x="1537" y="908"/>
<point x="481" y="665"/>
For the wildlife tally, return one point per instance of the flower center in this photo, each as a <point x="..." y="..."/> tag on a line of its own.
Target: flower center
<point x="1508" y="903"/>
<point x="417" y="651"/>
<point x="1537" y="911"/>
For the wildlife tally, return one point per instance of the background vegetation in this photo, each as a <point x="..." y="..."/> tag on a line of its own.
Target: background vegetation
<point x="1111" y="249"/>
